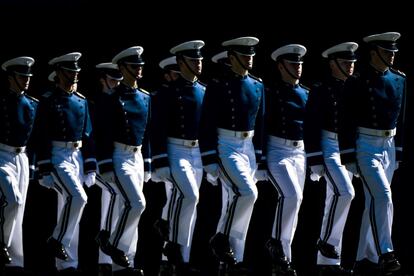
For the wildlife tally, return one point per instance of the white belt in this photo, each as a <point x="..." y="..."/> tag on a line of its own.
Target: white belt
<point x="183" y="142"/>
<point x="329" y="134"/>
<point x="8" y="148"/>
<point x="125" y="147"/>
<point x="68" y="145"/>
<point x="378" y="132"/>
<point x="287" y="142"/>
<point x="232" y="133"/>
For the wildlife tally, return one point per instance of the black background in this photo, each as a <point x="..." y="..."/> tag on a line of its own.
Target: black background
<point x="45" y="29"/>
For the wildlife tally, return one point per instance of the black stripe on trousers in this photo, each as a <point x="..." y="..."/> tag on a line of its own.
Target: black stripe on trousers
<point x="109" y="214"/>
<point x="332" y="208"/>
<point x="177" y="210"/>
<point x="3" y="203"/>
<point x="279" y="206"/>
<point x="231" y="209"/>
<point x="123" y="218"/>
<point x="67" y="206"/>
<point x="371" y="213"/>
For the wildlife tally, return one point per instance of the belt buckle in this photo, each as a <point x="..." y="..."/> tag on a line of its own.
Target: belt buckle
<point x="387" y="133"/>
<point x="76" y="145"/>
<point x="245" y="134"/>
<point x="193" y="143"/>
<point x="135" y="149"/>
<point x="295" y="143"/>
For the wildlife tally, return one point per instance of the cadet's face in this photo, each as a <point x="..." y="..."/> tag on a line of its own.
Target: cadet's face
<point x="112" y="83"/>
<point x="196" y="65"/>
<point x="23" y="81"/>
<point x="294" y="68"/>
<point x="247" y="61"/>
<point x="136" y="70"/>
<point x="69" y="76"/>
<point x="346" y="65"/>
<point x="388" y="56"/>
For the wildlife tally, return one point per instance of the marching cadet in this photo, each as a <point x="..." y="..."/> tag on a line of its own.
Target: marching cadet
<point x="378" y="119"/>
<point x="109" y="77"/>
<point x="286" y="158"/>
<point x="65" y="156"/>
<point x="124" y="156"/>
<point x="324" y="142"/>
<point x="177" y="158"/>
<point x="17" y="117"/>
<point x="232" y="123"/>
<point x="171" y="72"/>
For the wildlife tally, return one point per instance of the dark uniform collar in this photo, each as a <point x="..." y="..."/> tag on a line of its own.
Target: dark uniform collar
<point x="63" y="92"/>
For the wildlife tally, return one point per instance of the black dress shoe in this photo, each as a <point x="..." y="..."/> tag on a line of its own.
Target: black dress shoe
<point x="70" y="271"/>
<point x="15" y="271"/>
<point x="333" y="270"/>
<point x="172" y="251"/>
<point x="4" y="255"/>
<point x="239" y="269"/>
<point x="166" y="269"/>
<point x="163" y="228"/>
<point x="57" y="249"/>
<point x="118" y="256"/>
<point x="327" y="250"/>
<point x="389" y="263"/>
<point x="129" y="272"/>
<point x="220" y="246"/>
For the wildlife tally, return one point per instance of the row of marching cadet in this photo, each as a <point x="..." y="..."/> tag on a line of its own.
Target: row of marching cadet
<point x="234" y="131"/>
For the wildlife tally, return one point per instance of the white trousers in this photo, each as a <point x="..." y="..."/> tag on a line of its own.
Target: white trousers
<point x="14" y="182"/>
<point x="129" y="172"/>
<point x="186" y="173"/>
<point x="287" y="165"/>
<point x="339" y="195"/>
<point x="376" y="162"/>
<point x="237" y="167"/>
<point x="72" y="198"/>
<point x="109" y="214"/>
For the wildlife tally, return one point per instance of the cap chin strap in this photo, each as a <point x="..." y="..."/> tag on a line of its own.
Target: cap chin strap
<point x="240" y="62"/>
<point x="65" y="76"/>
<point x="346" y="75"/>
<point x="382" y="59"/>
<point x="131" y="73"/>
<point x="288" y="71"/>
<point x="18" y="84"/>
<point x="189" y="67"/>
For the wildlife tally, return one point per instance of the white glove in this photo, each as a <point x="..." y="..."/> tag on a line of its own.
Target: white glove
<point x="47" y="181"/>
<point x="317" y="171"/>
<point x="90" y="179"/>
<point x="212" y="171"/>
<point x="261" y="175"/>
<point x="147" y="176"/>
<point x="352" y="167"/>
<point x="161" y="174"/>
<point x="108" y="177"/>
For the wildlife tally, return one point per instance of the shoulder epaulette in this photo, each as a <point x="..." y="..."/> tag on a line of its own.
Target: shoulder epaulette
<point x="47" y="94"/>
<point x="144" y="91"/>
<point x="32" y="98"/>
<point x="256" y="78"/>
<point x="79" y="95"/>
<point x="398" y="72"/>
<point x="202" y="83"/>
<point x="317" y="84"/>
<point x="304" y="87"/>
